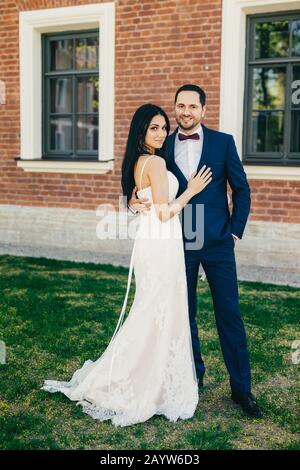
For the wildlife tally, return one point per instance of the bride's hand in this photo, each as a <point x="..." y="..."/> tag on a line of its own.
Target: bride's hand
<point x="198" y="181"/>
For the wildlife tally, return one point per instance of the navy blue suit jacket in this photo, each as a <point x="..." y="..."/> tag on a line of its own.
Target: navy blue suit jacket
<point x="220" y="154"/>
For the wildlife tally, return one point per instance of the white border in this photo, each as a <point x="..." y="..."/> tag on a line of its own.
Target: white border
<point x="234" y="14"/>
<point x="32" y="25"/>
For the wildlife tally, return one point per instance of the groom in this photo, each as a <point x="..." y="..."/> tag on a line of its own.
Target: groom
<point x="190" y="147"/>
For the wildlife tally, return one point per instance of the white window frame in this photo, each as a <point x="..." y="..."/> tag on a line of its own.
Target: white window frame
<point x="32" y="25"/>
<point x="234" y="14"/>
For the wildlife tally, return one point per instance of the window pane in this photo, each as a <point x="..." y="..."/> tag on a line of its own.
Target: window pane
<point x="61" y="54"/>
<point x="295" y="25"/>
<point x="87" y="53"/>
<point x="295" y="132"/>
<point x="268" y="88"/>
<point x="61" y="134"/>
<point x="92" y="45"/>
<point x="61" y="95"/>
<point x="296" y="87"/>
<point x="272" y="39"/>
<point x="267" y="131"/>
<point x="87" y="94"/>
<point x="87" y="133"/>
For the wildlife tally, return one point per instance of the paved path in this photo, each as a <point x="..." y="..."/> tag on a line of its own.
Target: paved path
<point x="245" y="273"/>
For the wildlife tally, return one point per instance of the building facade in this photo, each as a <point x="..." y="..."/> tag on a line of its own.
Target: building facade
<point x="73" y="72"/>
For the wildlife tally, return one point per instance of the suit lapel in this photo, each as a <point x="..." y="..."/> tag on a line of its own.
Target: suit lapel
<point x="206" y="149"/>
<point x="171" y="149"/>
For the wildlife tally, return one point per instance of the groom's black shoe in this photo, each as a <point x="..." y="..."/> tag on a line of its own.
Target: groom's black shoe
<point x="200" y="381"/>
<point x="248" y="403"/>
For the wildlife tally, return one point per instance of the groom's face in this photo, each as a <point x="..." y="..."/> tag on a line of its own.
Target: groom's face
<point x="188" y="110"/>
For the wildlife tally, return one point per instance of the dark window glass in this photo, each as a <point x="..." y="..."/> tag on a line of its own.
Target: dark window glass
<point x="295" y="105"/>
<point x="267" y="131"/>
<point x="87" y="94"/>
<point x="61" y="134"/>
<point x="295" y="132"/>
<point x="272" y="94"/>
<point x="295" y="26"/>
<point x="296" y="87"/>
<point x="269" y="88"/>
<point x="86" y="53"/>
<point x="61" y="54"/>
<point x="87" y="132"/>
<point x="271" y="39"/>
<point x="61" y="95"/>
<point x="71" y="95"/>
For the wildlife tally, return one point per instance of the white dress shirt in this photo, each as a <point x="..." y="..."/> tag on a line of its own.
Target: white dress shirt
<point x="188" y="153"/>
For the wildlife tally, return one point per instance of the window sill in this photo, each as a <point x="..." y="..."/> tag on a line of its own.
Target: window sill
<point x="266" y="172"/>
<point x="46" y="166"/>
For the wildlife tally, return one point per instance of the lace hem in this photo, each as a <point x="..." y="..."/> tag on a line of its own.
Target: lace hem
<point x="126" y="418"/>
<point x="118" y="418"/>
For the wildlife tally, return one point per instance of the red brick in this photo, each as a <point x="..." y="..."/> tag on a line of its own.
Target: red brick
<point x="158" y="48"/>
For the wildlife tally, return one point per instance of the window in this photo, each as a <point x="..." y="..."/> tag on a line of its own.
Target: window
<point x="272" y="104"/>
<point x="70" y="95"/>
<point x="63" y="22"/>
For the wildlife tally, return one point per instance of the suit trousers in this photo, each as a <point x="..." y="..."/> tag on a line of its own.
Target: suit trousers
<point x="219" y="265"/>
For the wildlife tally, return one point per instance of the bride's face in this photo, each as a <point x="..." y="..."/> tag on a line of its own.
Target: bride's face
<point x="156" y="133"/>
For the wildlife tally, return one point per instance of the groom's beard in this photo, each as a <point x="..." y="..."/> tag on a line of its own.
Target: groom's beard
<point x="187" y="127"/>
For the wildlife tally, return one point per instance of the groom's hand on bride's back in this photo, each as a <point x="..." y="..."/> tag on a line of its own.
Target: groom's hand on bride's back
<point x="138" y="204"/>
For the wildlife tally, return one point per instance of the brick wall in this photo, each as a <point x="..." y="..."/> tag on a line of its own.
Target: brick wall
<point x="160" y="44"/>
<point x="275" y="201"/>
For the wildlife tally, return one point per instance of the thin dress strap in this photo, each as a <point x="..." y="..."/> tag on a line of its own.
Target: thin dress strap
<point x="141" y="175"/>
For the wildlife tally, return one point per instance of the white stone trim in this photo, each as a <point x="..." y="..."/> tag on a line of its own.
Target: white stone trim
<point x="32" y="25"/>
<point x="283" y="173"/>
<point x="65" y="167"/>
<point x="234" y="13"/>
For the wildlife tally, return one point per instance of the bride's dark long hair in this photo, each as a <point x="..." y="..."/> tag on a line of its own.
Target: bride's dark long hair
<point x="136" y="143"/>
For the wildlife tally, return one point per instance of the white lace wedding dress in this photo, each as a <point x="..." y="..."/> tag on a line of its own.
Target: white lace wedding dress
<point x="148" y="367"/>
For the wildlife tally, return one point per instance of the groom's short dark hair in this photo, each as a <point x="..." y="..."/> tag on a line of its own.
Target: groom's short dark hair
<point x="196" y="88"/>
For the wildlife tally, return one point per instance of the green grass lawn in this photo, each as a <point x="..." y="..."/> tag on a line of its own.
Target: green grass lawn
<point x="56" y="314"/>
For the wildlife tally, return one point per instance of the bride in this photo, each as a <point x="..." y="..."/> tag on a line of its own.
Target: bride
<point x="148" y="367"/>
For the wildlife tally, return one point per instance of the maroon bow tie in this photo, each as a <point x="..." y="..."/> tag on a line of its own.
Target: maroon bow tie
<point x="195" y="136"/>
